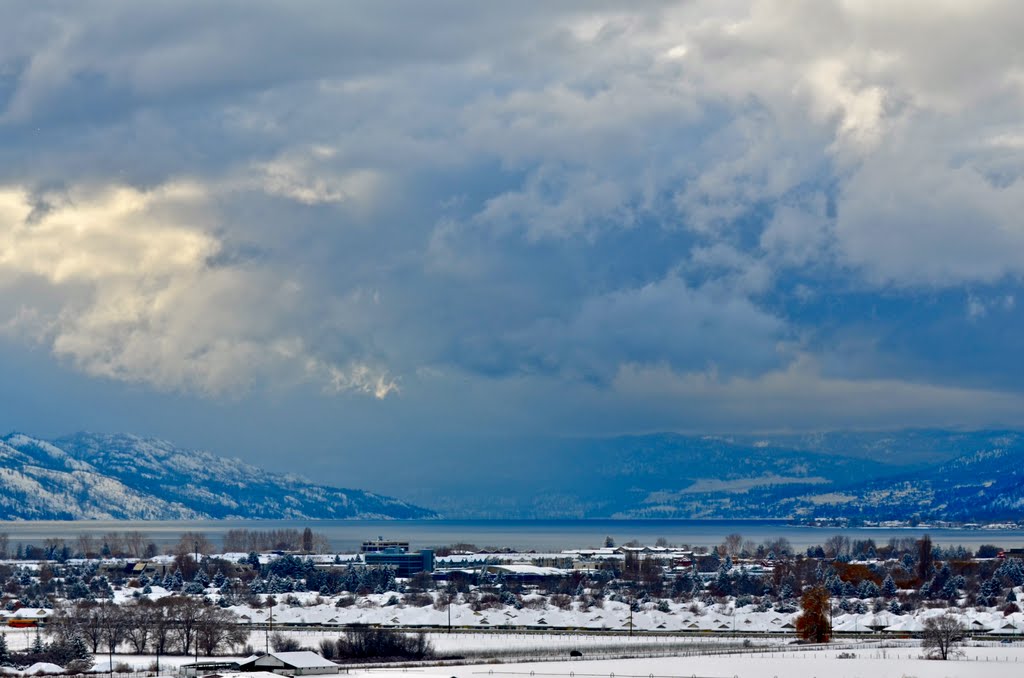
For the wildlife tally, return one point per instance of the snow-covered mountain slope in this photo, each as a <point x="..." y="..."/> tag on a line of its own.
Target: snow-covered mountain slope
<point x="89" y="476"/>
<point x="884" y="475"/>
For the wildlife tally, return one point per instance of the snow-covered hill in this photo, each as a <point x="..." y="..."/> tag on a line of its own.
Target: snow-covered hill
<point x="883" y="475"/>
<point x="89" y="476"/>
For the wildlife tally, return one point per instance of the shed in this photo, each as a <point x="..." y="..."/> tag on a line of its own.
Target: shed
<point x="302" y="663"/>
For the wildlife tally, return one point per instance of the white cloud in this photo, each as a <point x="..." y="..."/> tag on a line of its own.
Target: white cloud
<point x="554" y="188"/>
<point x="308" y="177"/>
<point x="134" y="293"/>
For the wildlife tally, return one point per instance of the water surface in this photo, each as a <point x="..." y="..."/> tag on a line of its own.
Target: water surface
<point x="539" y="535"/>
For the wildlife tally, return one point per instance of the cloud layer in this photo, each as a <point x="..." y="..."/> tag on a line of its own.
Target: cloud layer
<point x="533" y="217"/>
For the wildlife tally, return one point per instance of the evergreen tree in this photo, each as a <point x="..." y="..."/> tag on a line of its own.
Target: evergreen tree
<point x="868" y="589"/>
<point x="889" y="589"/>
<point x="819" y="572"/>
<point x="949" y="589"/>
<point x="37" y="644"/>
<point x="990" y="590"/>
<point x="5" y="655"/>
<point x="895" y="607"/>
<point x="723" y="583"/>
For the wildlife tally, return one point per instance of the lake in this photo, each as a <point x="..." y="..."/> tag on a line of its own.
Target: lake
<point x="539" y="535"/>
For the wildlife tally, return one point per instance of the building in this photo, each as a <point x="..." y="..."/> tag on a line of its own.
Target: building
<point x="406" y="564"/>
<point x="378" y="545"/>
<point x="302" y="663"/>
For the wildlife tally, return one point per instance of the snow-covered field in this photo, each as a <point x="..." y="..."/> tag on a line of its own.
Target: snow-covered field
<point x="994" y="662"/>
<point x="775" y="657"/>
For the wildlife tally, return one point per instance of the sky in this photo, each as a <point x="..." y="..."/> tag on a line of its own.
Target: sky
<point x="346" y="238"/>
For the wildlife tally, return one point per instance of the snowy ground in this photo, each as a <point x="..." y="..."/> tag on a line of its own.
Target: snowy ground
<point x="983" y="659"/>
<point x="995" y="662"/>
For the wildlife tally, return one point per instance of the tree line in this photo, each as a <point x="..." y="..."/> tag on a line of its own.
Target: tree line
<point x="135" y="544"/>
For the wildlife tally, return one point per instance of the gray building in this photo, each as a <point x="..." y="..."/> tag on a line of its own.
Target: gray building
<point x="406" y="564"/>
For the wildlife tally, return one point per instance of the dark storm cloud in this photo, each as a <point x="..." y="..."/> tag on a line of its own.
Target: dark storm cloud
<point x="571" y="218"/>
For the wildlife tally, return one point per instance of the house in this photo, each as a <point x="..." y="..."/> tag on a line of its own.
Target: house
<point x="302" y="663"/>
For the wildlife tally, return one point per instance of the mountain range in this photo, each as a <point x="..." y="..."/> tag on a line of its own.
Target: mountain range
<point x="892" y="475"/>
<point x="89" y="476"/>
<point x="895" y="475"/>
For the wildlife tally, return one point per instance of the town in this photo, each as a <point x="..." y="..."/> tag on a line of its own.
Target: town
<point x="102" y="603"/>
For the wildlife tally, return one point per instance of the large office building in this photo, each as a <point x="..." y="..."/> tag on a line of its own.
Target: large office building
<point x="406" y="564"/>
<point x="379" y="544"/>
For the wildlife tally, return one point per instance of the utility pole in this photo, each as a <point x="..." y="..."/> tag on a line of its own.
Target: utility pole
<point x="269" y="629"/>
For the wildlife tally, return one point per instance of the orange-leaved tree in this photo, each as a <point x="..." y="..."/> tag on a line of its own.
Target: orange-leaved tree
<point x="813" y="624"/>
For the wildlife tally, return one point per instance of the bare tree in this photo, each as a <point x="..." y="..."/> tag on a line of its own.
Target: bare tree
<point x="236" y="540"/>
<point x="85" y="544"/>
<point x="780" y="546"/>
<point x="115" y="625"/>
<point x="942" y="636"/>
<point x="217" y="628"/>
<point x="320" y="543"/>
<point x="5" y="542"/>
<point x="139" y="623"/>
<point x="87" y="618"/>
<point x="192" y="542"/>
<point x="837" y="546"/>
<point x="184" y="613"/>
<point x="112" y="540"/>
<point x="732" y="544"/>
<point x="135" y="543"/>
<point x="161" y="625"/>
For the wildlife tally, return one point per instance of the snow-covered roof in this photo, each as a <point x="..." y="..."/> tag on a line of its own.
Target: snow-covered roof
<point x="43" y="667"/>
<point x="302" y="659"/>
<point x="524" y="569"/>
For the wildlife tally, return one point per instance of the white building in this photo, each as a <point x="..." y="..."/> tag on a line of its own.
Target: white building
<point x="303" y="663"/>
